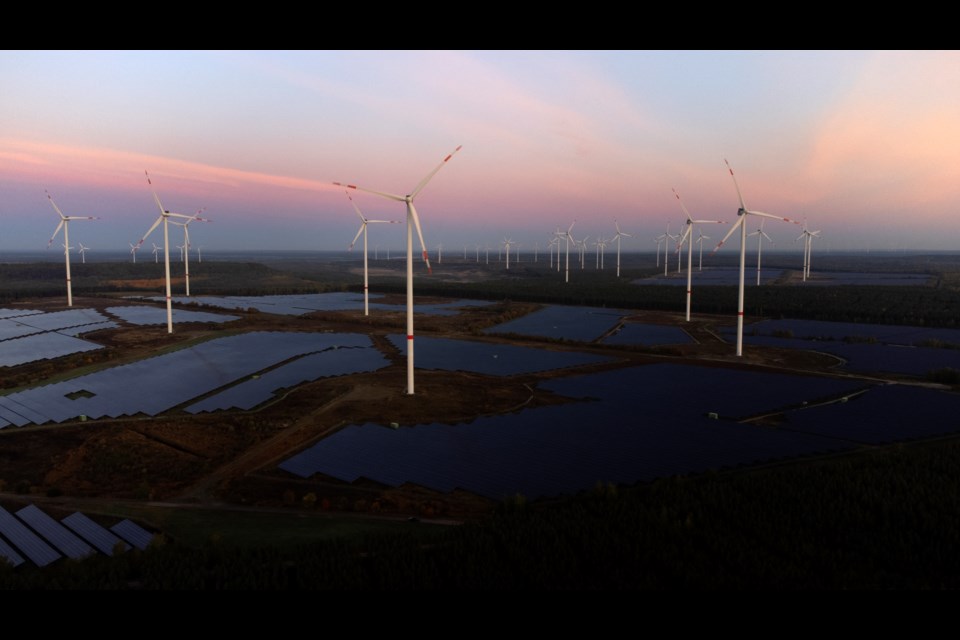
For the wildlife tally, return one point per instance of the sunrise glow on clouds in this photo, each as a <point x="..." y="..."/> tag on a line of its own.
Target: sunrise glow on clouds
<point x="865" y="145"/>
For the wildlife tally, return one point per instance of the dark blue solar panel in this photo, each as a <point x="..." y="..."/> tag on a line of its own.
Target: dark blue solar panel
<point x="570" y="323"/>
<point x="712" y="276"/>
<point x="63" y="319"/>
<point x="133" y="533"/>
<point x="13" y="329"/>
<point x="55" y="533"/>
<point x="613" y="438"/>
<point x="334" y="362"/>
<point x="307" y="303"/>
<point x="490" y="358"/>
<point x="648" y="334"/>
<point x="25" y="540"/>
<point x="886" y="279"/>
<point x="156" y="384"/>
<point x="100" y="537"/>
<point x="41" y="346"/>
<point x="158" y="315"/>
<point x="12" y="417"/>
<point x="87" y="328"/>
<point x="14" y="313"/>
<point x="8" y="554"/>
<point x="821" y="330"/>
<point x="883" y="414"/>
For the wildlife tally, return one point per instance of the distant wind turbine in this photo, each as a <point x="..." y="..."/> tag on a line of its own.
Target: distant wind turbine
<point x="620" y="234"/>
<point x="133" y="251"/>
<point x="565" y="235"/>
<point x="807" y="237"/>
<point x="687" y="236"/>
<point x="741" y="223"/>
<point x="363" y="229"/>
<point x="761" y="234"/>
<point x="185" y="248"/>
<point x="65" y="224"/>
<point x="412" y="221"/>
<point x="83" y="253"/>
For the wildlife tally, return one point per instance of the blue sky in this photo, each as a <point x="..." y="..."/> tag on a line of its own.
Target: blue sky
<point x="865" y="145"/>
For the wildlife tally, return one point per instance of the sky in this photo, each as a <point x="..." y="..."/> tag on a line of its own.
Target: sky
<point x="862" y="145"/>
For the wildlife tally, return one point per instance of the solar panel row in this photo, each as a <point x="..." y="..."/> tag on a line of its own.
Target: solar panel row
<point x="157" y="384"/>
<point x="38" y="536"/>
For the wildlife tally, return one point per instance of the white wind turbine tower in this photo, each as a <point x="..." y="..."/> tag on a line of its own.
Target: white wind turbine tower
<point x="439" y="254"/>
<point x="363" y="229"/>
<point x="164" y="217"/>
<point x="506" y="244"/>
<point x="83" y="253"/>
<point x="185" y="248"/>
<point x="664" y="238"/>
<point x="687" y="236"/>
<point x="700" y="239"/>
<point x="566" y="235"/>
<point x="807" y="237"/>
<point x="156" y="253"/>
<point x="761" y="234"/>
<point x="133" y="251"/>
<point x="582" y="248"/>
<point x="742" y="214"/>
<point x="621" y="234"/>
<point x="412" y="221"/>
<point x="65" y="224"/>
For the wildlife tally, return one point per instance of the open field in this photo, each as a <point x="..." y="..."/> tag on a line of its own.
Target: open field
<point x="212" y="468"/>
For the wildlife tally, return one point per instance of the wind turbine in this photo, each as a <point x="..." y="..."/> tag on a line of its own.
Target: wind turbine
<point x="83" y="253"/>
<point x="700" y="239"/>
<point x="65" y="224"/>
<point x="133" y="251"/>
<point x="156" y="252"/>
<point x="440" y="254"/>
<point x="621" y="234"/>
<point x="165" y="215"/>
<point x="742" y="214"/>
<point x="506" y="243"/>
<point x="566" y="235"/>
<point x="761" y="234"/>
<point x="664" y="238"/>
<point x="363" y="229"/>
<point x="687" y="236"/>
<point x="185" y="248"/>
<point x="412" y="221"/>
<point x="808" y="237"/>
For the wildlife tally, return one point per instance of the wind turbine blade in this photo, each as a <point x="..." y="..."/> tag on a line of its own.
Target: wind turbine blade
<point x="150" y="230"/>
<point x="737" y="186"/>
<point x="357" y="209"/>
<point x="382" y="194"/>
<point x="350" y="248"/>
<point x="154" y="191"/>
<point x="424" y="182"/>
<point x="682" y="207"/>
<point x="55" y="232"/>
<point x="684" y="237"/>
<point x="423" y="245"/>
<point x="55" y="207"/>
<point x="734" y="227"/>
<point x="770" y="215"/>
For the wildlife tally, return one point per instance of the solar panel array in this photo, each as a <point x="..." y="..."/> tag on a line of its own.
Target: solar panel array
<point x="28" y="336"/>
<point x="38" y="536"/>
<point x="156" y="384"/>
<point x="295" y="305"/>
<point x="648" y="334"/>
<point x="561" y="322"/>
<point x="490" y="358"/>
<point x="822" y="330"/>
<point x="712" y="276"/>
<point x="332" y="362"/>
<point x="142" y="315"/>
<point x="632" y="424"/>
